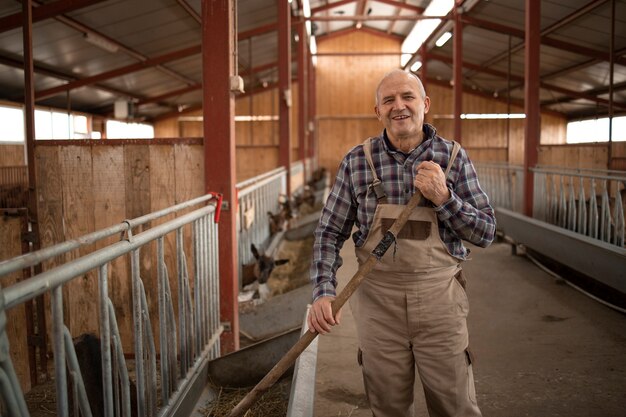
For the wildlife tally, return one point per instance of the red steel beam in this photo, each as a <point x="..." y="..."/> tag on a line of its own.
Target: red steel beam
<point x="218" y="38"/>
<point x="566" y="46"/>
<point x="174" y="93"/>
<point x="171" y="56"/>
<point x="517" y="78"/>
<point x="303" y="48"/>
<point x="532" y="122"/>
<point x="457" y="74"/>
<point x="401" y="5"/>
<point x="284" y="82"/>
<point x="330" y="6"/>
<point x="261" y="30"/>
<point x="548" y="30"/>
<point x="44" y="12"/>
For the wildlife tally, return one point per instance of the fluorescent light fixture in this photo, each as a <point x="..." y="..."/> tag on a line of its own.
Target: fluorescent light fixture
<point x="416" y="65"/>
<point x="404" y="59"/>
<point x="481" y="116"/>
<point x="313" y="46"/>
<point x="425" y="27"/>
<point x="306" y="8"/>
<point x="443" y="39"/>
<point x="101" y="42"/>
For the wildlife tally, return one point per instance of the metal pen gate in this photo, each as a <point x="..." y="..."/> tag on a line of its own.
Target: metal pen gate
<point x="188" y="340"/>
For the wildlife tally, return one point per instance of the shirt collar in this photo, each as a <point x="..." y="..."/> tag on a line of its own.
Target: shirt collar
<point x="429" y="133"/>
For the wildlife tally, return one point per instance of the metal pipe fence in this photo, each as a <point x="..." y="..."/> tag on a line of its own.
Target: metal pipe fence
<point x="589" y="202"/>
<point x="187" y="340"/>
<point x="503" y="183"/>
<point x="257" y="197"/>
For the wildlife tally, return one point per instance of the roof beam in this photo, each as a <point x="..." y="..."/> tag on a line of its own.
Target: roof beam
<point x="261" y="30"/>
<point x="16" y="61"/>
<point x="548" y="30"/>
<point x="368" y="18"/>
<point x="566" y="46"/>
<point x="171" y="56"/>
<point x="330" y="6"/>
<point x="44" y="12"/>
<point x="518" y="78"/>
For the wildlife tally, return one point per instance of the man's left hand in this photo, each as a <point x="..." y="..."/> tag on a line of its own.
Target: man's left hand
<point x="431" y="181"/>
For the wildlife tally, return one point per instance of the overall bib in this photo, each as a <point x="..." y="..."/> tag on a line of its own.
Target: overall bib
<point x="411" y="313"/>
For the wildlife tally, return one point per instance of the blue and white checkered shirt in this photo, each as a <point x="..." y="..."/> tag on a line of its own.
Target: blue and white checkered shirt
<point x="466" y="215"/>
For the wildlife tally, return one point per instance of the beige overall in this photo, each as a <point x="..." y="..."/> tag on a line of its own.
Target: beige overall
<point x="411" y="312"/>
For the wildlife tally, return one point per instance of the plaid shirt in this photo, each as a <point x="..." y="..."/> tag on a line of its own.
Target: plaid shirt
<point x="466" y="215"/>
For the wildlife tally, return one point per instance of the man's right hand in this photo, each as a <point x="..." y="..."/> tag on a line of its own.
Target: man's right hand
<point x="321" y="316"/>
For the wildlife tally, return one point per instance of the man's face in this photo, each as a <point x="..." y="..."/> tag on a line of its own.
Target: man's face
<point x="401" y="107"/>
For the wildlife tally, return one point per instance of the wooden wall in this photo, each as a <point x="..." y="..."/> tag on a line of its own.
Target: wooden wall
<point x="92" y="185"/>
<point x="257" y="142"/>
<point x="345" y="106"/>
<point x="12" y="154"/>
<point x="10" y="231"/>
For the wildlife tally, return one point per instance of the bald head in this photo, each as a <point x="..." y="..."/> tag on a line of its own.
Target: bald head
<point x="401" y="73"/>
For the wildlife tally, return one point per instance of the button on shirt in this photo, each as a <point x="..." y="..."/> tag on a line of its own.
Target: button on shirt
<point x="466" y="215"/>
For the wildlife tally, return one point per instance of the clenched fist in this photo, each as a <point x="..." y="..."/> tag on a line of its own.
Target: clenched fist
<point x="431" y="181"/>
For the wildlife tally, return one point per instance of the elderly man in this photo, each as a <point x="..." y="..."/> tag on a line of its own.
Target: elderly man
<point x="411" y="309"/>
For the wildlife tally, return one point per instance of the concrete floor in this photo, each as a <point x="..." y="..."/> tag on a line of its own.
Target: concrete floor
<point x="542" y="348"/>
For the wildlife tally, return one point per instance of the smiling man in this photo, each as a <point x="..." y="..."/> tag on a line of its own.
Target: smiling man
<point x="411" y="309"/>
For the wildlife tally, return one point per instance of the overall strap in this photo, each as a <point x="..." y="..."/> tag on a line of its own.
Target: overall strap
<point x="377" y="184"/>
<point x="455" y="150"/>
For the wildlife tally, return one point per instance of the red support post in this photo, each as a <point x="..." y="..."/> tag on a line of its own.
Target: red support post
<point x="532" y="122"/>
<point x="457" y="77"/>
<point x="303" y="47"/>
<point x="284" y="87"/>
<point x="218" y="41"/>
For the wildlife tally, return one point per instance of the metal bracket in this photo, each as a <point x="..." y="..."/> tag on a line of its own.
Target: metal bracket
<point x="227" y="326"/>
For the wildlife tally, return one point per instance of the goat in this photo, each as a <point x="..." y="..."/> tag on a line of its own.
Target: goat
<point x="260" y="269"/>
<point x="88" y="353"/>
<point x="318" y="179"/>
<point x="277" y="222"/>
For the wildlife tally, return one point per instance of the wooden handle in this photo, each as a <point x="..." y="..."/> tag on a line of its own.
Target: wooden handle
<point x="305" y="340"/>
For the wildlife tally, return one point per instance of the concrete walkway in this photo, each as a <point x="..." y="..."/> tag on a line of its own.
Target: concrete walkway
<point x="542" y="348"/>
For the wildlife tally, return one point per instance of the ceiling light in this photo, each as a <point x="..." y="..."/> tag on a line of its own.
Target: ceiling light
<point x="443" y="39"/>
<point x="416" y="65"/>
<point x="101" y="42"/>
<point x="425" y="27"/>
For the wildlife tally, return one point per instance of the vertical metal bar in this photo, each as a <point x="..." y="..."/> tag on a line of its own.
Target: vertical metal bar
<point x="163" y="328"/>
<point x="457" y="73"/>
<point x="150" y="354"/>
<point x="582" y="209"/>
<point x="593" y="212"/>
<point x="219" y="29"/>
<point x="532" y="127"/>
<point x="619" y="217"/>
<point x="105" y="341"/>
<point x="59" y="351"/>
<point x="562" y="204"/>
<point x="138" y="328"/>
<point x="122" y="371"/>
<point x="181" y="302"/>
<point x="571" y="209"/>
<point x="605" y="214"/>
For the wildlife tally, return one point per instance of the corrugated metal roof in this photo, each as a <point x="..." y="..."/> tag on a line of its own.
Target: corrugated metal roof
<point x="574" y="54"/>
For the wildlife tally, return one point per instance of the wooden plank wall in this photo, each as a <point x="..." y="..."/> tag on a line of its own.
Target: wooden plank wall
<point x="91" y="185"/>
<point x="12" y="154"/>
<point x="345" y="106"/>
<point x="10" y="230"/>
<point x="346" y="88"/>
<point x="257" y="142"/>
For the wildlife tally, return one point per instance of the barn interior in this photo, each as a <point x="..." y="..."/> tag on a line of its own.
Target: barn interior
<point x="176" y="126"/>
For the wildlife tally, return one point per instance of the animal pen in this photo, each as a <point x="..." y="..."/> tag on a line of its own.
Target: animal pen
<point x="156" y="345"/>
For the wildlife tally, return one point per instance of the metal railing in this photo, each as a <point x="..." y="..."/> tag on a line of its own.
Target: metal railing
<point x="588" y="202"/>
<point x="503" y="183"/>
<point x="256" y="197"/>
<point x="585" y="201"/>
<point x="187" y="340"/>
